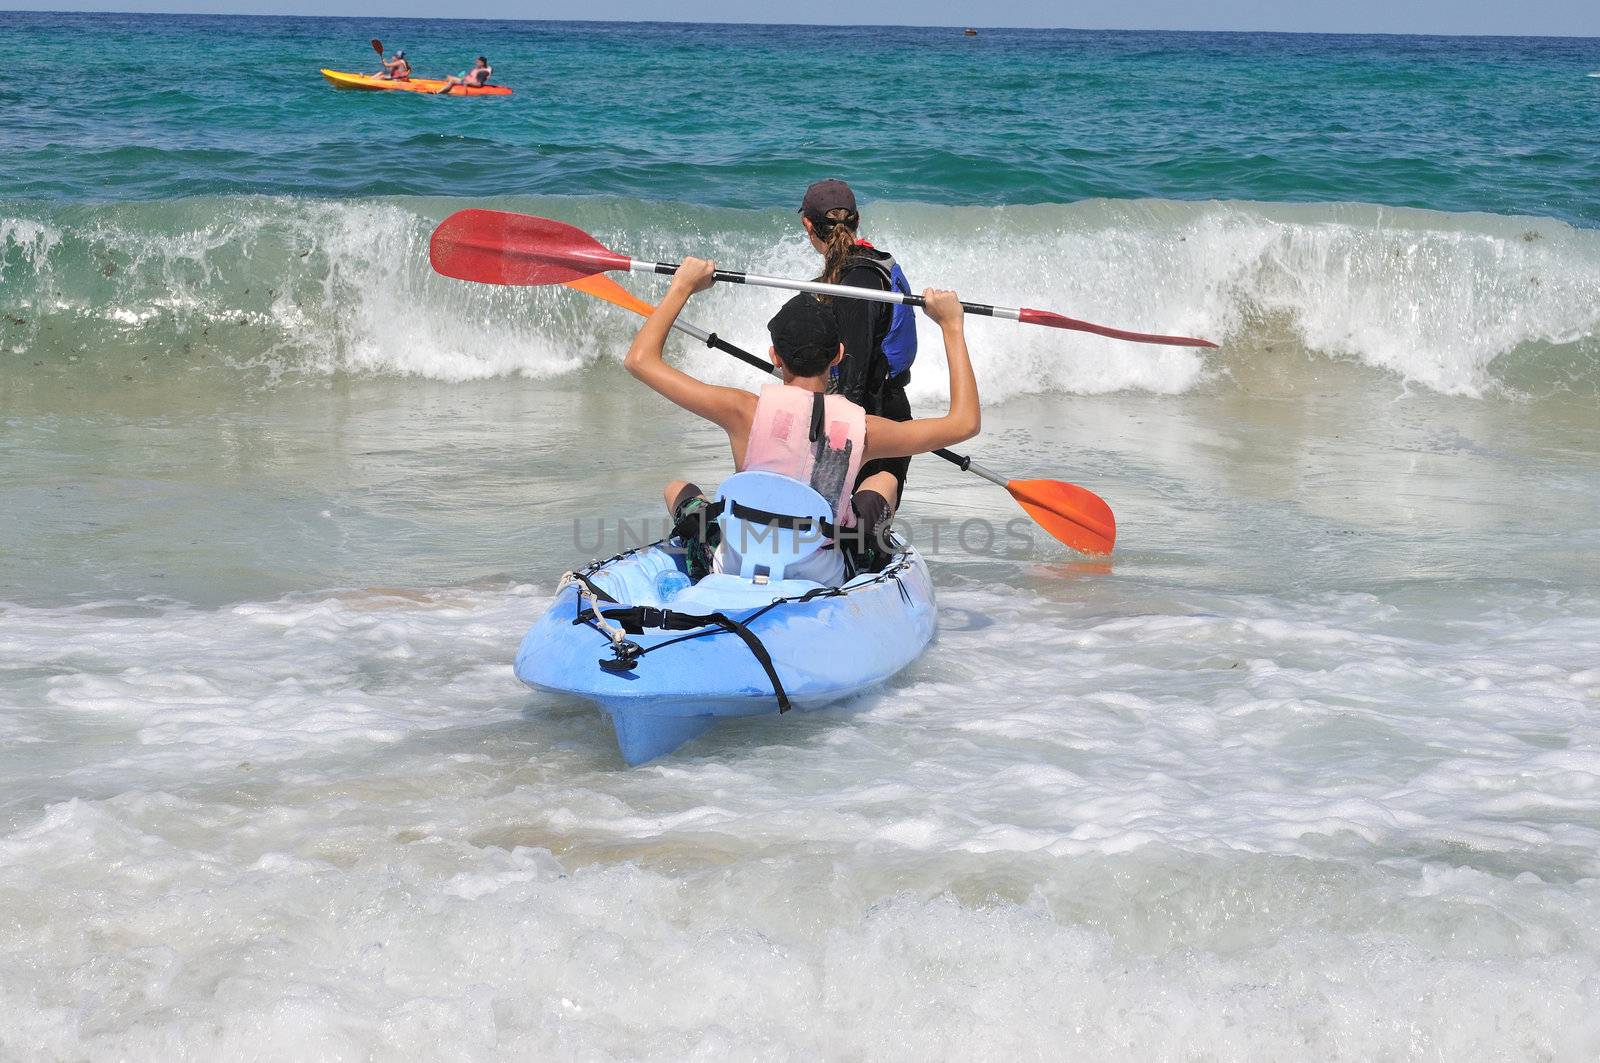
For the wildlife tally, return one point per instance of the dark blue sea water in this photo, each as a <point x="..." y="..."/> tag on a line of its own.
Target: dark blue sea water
<point x="746" y="115"/>
<point x="1426" y="206"/>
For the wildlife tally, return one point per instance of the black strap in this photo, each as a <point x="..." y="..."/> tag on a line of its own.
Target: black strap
<point x="689" y="527"/>
<point x="634" y="620"/>
<point x="595" y="590"/>
<point x="787" y="521"/>
<point x="867" y="260"/>
<point x="760" y="653"/>
<point x="818" y="413"/>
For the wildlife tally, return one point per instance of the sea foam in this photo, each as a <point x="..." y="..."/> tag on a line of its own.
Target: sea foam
<point x="1470" y="305"/>
<point x="1237" y="823"/>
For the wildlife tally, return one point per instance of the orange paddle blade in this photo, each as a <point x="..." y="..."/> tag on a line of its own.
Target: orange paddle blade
<point x="602" y="287"/>
<point x="1075" y="515"/>
<point x="498" y="247"/>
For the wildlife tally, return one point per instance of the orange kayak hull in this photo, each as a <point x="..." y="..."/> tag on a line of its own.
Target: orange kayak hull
<point x="342" y="80"/>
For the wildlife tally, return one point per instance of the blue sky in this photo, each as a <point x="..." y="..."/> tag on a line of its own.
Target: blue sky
<point x="1532" y="17"/>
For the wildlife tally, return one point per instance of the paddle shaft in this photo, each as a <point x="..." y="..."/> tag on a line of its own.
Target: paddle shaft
<point x="712" y="340"/>
<point x="844" y="291"/>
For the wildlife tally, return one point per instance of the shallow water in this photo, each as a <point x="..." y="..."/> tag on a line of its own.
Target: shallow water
<point x="1319" y="738"/>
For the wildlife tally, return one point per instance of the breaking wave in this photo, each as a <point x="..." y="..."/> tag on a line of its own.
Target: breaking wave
<point x="1463" y="304"/>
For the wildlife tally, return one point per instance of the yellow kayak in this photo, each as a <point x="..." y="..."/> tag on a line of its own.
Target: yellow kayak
<point x="343" y="80"/>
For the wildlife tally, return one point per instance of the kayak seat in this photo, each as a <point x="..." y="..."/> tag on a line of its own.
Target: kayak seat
<point x="769" y="523"/>
<point x="720" y="592"/>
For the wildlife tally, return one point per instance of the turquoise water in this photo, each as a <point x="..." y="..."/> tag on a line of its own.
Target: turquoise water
<point x="746" y="115"/>
<point x="1307" y="769"/>
<point x="1427" y="206"/>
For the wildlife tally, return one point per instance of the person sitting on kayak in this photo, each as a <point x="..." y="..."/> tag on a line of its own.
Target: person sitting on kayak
<point x="396" y="69"/>
<point x="475" y="78"/>
<point x="768" y="432"/>
<point x="880" y="339"/>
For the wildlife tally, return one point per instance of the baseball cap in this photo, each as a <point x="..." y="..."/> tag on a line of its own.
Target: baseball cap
<point x="823" y="196"/>
<point x="805" y="334"/>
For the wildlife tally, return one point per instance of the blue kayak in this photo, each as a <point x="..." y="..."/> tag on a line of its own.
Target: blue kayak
<point x="665" y="670"/>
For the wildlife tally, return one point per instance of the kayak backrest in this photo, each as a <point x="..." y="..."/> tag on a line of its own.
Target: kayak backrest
<point x="769" y="522"/>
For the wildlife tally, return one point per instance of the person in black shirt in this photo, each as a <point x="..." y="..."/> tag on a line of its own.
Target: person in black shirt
<point x="869" y="376"/>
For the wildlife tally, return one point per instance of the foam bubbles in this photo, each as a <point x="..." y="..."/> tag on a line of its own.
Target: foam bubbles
<point x="1461" y="304"/>
<point x="329" y="825"/>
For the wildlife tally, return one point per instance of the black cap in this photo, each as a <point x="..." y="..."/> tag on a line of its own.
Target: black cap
<point x="823" y="196"/>
<point x="805" y="334"/>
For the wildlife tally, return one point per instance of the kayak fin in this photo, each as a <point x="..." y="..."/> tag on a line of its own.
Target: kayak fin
<point x="643" y="738"/>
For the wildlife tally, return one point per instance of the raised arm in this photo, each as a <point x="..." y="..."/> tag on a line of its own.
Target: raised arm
<point x="898" y="439"/>
<point x="729" y="408"/>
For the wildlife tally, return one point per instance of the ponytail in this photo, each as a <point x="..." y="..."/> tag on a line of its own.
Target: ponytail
<point x="838" y="231"/>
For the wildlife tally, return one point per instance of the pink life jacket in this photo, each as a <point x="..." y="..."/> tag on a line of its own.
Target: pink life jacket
<point x="817" y="439"/>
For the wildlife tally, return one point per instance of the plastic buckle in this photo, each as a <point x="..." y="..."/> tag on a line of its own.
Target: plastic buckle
<point x="626" y="656"/>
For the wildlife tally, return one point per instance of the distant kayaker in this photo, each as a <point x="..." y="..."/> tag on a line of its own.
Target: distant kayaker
<point x="770" y="432"/>
<point x="477" y="77"/>
<point x="396" y="69"/>
<point x="880" y="339"/>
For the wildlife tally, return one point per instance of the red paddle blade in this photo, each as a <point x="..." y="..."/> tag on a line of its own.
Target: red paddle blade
<point x="1045" y="317"/>
<point x="377" y="46"/>
<point x="1074" y="515"/>
<point x="498" y="247"/>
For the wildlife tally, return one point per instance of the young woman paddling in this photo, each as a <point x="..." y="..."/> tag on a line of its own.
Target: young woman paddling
<point x="396" y="69"/>
<point x="880" y="340"/>
<point x="794" y="429"/>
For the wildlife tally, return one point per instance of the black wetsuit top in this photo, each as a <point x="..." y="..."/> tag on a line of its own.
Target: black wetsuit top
<point x="863" y="375"/>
